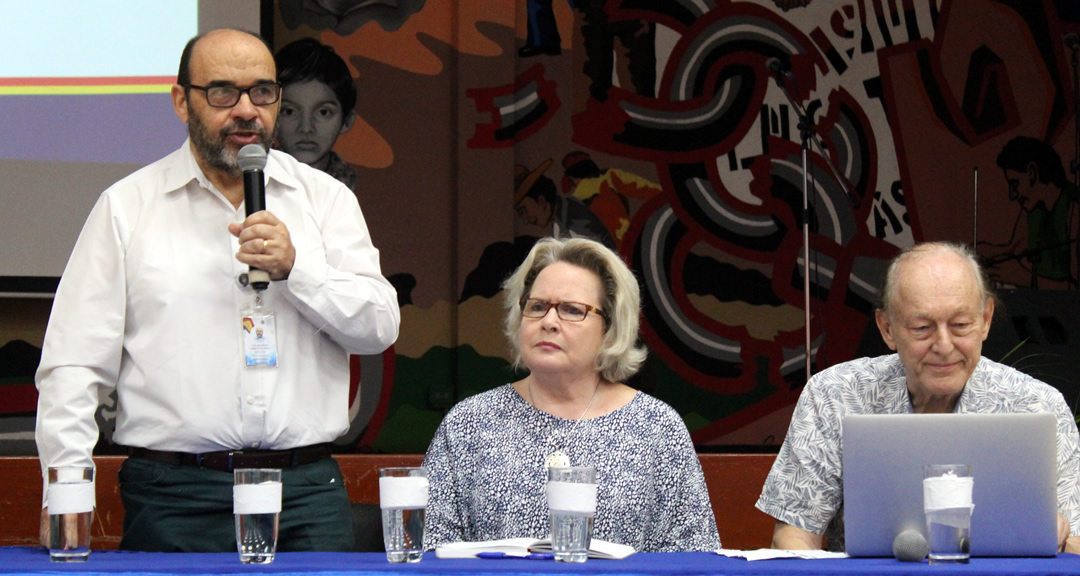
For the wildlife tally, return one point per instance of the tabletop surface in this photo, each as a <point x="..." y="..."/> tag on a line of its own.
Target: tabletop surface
<point x="26" y="560"/>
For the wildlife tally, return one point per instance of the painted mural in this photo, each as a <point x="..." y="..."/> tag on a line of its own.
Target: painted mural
<point x="689" y="135"/>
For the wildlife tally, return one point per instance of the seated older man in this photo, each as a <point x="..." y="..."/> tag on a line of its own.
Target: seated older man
<point x="935" y="313"/>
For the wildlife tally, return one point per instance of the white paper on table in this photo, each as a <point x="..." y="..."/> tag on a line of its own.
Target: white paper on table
<point x="521" y="547"/>
<point x="262" y="498"/>
<point x="403" y="492"/>
<point x="771" y="554"/>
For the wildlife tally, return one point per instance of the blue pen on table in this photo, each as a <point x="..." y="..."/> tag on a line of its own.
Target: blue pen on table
<point x="504" y="555"/>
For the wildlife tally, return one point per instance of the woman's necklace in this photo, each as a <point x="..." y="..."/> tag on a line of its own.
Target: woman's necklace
<point x="558" y="458"/>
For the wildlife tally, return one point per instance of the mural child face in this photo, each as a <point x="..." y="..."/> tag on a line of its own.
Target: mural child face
<point x="551" y="346"/>
<point x="534" y="212"/>
<point x="1017" y="186"/>
<point x="310" y="121"/>
<point x="937" y="324"/>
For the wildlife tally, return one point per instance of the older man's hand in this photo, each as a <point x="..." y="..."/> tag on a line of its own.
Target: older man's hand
<point x="265" y="244"/>
<point x="43" y="528"/>
<point x="1065" y="543"/>
<point x="788" y="537"/>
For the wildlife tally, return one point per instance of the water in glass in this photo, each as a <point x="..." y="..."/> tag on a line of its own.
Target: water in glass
<point x="949" y="544"/>
<point x="69" y="536"/>
<point x="571" y="535"/>
<point x="256" y="537"/>
<point x="403" y="534"/>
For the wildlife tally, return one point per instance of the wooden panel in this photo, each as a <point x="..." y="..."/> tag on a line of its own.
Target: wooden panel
<point x="20" y="502"/>
<point x="361" y="472"/>
<point x="734" y="482"/>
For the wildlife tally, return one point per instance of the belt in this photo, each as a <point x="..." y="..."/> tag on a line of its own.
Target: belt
<point x="228" y="460"/>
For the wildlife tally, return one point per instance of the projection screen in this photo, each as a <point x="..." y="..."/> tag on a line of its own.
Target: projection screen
<point x="84" y="101"/>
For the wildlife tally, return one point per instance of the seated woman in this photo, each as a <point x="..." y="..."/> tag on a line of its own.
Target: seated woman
<point x="572" y="321"/>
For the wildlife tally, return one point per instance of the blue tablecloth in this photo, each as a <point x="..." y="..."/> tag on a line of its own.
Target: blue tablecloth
<point x="20" y="560"/>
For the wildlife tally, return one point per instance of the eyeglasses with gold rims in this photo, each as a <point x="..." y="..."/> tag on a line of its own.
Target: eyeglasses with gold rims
<point x="227" y="95"/>
<point x="568" y="311"/>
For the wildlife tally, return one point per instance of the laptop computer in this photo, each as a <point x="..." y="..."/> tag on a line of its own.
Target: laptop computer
<point x="1013" y="462"/>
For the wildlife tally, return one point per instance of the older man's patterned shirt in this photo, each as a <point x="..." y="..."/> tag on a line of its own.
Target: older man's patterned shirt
<point x="805" y="486"/>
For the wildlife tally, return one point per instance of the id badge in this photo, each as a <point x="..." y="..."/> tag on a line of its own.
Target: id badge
<point x="260" y="337"/>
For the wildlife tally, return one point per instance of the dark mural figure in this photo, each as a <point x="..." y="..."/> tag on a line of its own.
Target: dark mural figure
<point x="542" y="36"/>
<point x="606" y="191"/>
<point x="603" y="37"/>
<point x="1044" y="236"/>
<point x="347" y="16"/>
<point x="538" y="204"/>
<point x="634" y="40"/>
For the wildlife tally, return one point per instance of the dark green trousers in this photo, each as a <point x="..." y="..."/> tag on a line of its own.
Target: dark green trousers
<point x="170" y="508"/>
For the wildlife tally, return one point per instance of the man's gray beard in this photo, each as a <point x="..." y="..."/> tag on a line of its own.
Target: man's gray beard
<point x="214" y="151"/>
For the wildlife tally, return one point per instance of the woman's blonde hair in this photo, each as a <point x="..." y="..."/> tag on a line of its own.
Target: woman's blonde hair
<point x="620" y="354"/>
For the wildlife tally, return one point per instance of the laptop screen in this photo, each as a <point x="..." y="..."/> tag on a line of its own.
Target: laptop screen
<point x="1013" y="463"/>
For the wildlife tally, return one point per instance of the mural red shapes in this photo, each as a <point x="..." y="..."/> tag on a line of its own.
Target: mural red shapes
<point x="517" y="110"/>
<point x="719" y="239"/>
<point x="957" y="100"/>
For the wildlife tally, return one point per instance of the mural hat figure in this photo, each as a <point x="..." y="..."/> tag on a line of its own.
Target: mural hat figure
<point x="524" y="178"/>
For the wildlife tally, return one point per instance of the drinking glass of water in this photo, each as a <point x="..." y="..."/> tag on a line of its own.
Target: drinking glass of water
<point x="403" y="496"/>
<point x="571" y="496"/>
<point x="71" y="512"/>
<point x="256" y="507"/>
<point x="948" y="507"/>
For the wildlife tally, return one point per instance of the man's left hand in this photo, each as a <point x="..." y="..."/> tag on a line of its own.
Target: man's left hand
<point x="265" y="244"/>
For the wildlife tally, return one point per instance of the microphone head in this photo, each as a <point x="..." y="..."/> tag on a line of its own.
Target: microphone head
<point x="910" y="546"/>
<point x="252" y="157"/>
<point x="774" y="65"/>
<point x="1072" y="40"/>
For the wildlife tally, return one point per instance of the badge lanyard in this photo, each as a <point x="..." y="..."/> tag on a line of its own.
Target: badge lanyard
<point x="260" y="335"/>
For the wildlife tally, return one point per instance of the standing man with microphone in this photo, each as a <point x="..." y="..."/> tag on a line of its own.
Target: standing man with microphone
<point x="156" y="302"/>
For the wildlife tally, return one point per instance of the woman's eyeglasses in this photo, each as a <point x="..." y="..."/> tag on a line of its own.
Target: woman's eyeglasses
<point x="568" y="311"/>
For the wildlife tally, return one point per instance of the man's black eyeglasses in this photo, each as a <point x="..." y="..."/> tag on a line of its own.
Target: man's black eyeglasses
<point x="227" y="95"/>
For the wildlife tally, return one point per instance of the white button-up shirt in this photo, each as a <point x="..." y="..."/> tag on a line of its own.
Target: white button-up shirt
<point x="150" y="303"/>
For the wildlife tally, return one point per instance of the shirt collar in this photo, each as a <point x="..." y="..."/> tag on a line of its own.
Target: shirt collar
<point x="975" y="384"/>
<point x="187" y="169"/>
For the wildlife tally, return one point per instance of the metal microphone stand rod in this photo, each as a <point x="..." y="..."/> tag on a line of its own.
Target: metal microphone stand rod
<point x="807" y="135"/>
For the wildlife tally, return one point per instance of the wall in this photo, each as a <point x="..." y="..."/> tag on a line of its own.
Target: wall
<point x="702" y="183"/>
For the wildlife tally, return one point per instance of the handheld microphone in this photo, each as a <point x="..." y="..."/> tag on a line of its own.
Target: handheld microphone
<point x="910" y="546"/>
<point x="779" y="68"/>
<point x="252" y="160"/>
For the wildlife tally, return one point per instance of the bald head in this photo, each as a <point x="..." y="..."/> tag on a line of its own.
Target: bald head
<point x="949" y="254"/>
<point x="226" y="35"/>
<point x="936" y="312"/>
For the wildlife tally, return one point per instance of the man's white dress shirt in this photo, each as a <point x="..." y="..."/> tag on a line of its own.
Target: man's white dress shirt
<point x="150" y="303"/>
